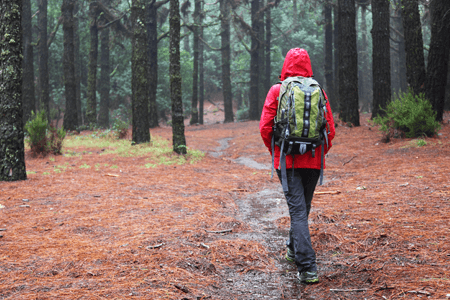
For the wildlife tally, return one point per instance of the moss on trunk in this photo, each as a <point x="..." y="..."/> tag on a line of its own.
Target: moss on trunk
<point x="12" y="153"/>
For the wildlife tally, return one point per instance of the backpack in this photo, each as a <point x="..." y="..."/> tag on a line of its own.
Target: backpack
<point x="300" y="124"/>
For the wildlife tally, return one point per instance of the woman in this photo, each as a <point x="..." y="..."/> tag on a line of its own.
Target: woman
<point x="306" y="170"/>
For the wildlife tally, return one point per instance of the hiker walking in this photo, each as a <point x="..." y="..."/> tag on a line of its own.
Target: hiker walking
<point x="297" y="127"/>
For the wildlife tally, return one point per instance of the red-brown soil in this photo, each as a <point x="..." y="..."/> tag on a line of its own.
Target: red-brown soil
<point x="216" y="229"/>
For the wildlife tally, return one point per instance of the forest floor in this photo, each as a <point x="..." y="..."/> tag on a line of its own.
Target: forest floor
<point x="98" y="224"/>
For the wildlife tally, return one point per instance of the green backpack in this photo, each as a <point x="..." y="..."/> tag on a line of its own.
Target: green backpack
<point x="300" y="124"/>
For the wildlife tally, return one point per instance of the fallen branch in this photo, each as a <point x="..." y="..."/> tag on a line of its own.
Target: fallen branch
<point x="112" y="175"/>
<point x="239" y="190"/>
<point x="351" y="290"/>
<point x="221" y="231"/>
<point x="204" y="245"/>
<point x="156" y="246"/>
<point x="349" y="160"/>
<point x="327" y="193"/>
<point x="419" y="292"/>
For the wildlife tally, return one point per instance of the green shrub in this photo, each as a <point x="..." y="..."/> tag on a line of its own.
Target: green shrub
<point x="408" y="116"/>
<point x="242" y="114"/>
<point x="55" y="139"/>
<point x="43" y="138"/>
<point x="36" y="128"/>
<point x="120" y="128"/>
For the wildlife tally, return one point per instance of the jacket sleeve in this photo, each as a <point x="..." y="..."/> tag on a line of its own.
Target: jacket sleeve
<point x="331" y="127"/>
<point x="268" y="114"/>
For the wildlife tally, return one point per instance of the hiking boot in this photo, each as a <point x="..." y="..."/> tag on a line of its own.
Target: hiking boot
<point x="290" y="255"/>
<point x="308" y="277"/>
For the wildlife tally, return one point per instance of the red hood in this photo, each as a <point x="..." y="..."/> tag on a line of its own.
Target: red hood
<point x="296" y="63"/>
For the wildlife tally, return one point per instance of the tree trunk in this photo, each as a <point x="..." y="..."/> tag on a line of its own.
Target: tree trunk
<point x="178" y="137"/>
<point x="28" y="95"/>
<point x="267" y="54"/>
<point x="398" y="64"/>
<point x="261" y="59"/>
<point x="12" y="149"/>
<point x="201" y="70"/>
<point x="415" y="62"/>
<point x="70" y="113"/>
<point x="139" y="71"/>
<point x="194" y="99"/>
<point x="381" y="57"/>
<point x="254" y="61"/>
<point x="77" y="64"/>
<point x="152" y="38"/>
<point x="91" y="102"/>
<point x="438" y="56"/>
<point x="335" y="105"/>
<point x="363" y="56"/>
<point x="44" y="96"/>
<point x="226" y="60"/>
<point x="348" y="63"/>
<point x="329" y="78"/>
<point x="105" y="82"/>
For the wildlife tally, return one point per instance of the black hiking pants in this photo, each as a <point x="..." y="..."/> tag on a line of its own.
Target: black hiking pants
<point x="301" y="191"/>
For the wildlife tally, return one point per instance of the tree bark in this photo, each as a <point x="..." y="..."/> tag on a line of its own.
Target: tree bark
<point x="194" y="99"/>
<point x="91" y="102"/>
<point x="335" y="105"/>
<point x="348" y="63"/>
<point x="178" y="137"/>
<point x="152" y="38"/>
<point x="12" y="149"/>
<point x="438" y="56"/>
<point x="139" y="71"/>
<point x="329" y="78"/>
<point x="254" y="63"/>
<point x="268" y="70"/>
<point x="70" y="114"/>
<point x="415" y="62"/>
<point x="77" y="64"/>
<point x="381" y="57"/>
<point x="28" y="95"/>
<point x="105" y="82"/>
<point x="365" y="94"/>
<point x="201" y="59"/>
<point x="226" y="60"/>
<point x="44" y="89"/>
<point x="398" y="63"/>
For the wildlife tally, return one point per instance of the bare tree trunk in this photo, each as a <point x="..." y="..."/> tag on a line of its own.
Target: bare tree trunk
<point x="348" y="63"/>
<point x="329" y="78"/>
<point x="365" y="96"/>
<point x="438" y="56"/>
<point x="335" y="105"/>
<point x="44" y="96"/>
<point x="201" y="70"/>
<point x="152" y="38"/>
<point x="381" y="57"/>
<point x="12" y="149"/>
<point x="70" y="113"/>
<point x="139" y="71"/>
<point x="254" y="61"/>
<point x="415" y="62"/>
<point x="226" y="60"/>
<point x="91" y="103"/>
<point x="194" y="99"/>
<point x="77" y="65"/>
<point x="267" y="54"/>
<point x="105" y="83"/>
<point x="28" y="95"/>
<point x="178" y="137"/>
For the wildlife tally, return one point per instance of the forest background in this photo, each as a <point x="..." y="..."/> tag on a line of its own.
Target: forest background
<point x="274" y="28"/>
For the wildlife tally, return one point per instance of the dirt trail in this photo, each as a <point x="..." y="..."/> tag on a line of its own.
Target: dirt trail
<point x="93" y="225"/>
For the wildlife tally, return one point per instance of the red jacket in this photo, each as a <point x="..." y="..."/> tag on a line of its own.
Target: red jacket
<point x="296" y="63"/>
